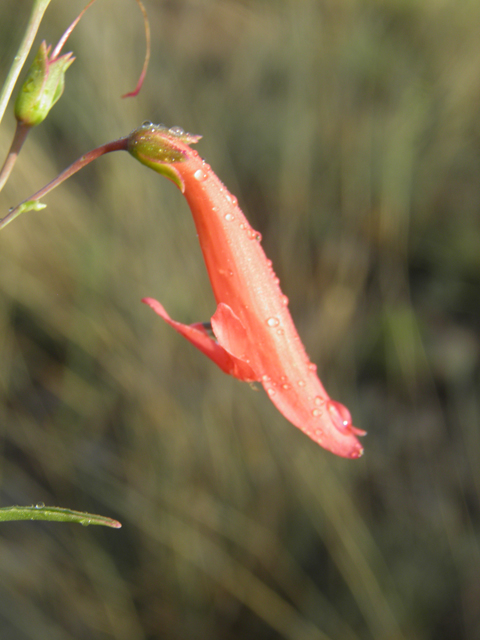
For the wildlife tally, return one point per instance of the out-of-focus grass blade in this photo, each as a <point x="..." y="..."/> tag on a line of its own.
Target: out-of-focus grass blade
<point x="55" y="514"/>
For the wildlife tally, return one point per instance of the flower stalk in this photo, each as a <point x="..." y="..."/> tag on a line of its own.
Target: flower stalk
<point x="33" y="202"/>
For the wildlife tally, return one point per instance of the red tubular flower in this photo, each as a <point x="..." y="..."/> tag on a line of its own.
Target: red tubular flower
<point x="256" y="339"/>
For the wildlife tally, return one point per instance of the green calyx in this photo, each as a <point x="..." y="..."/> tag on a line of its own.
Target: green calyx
<point x="42" y="87"/>
<point x="159" y="148"/>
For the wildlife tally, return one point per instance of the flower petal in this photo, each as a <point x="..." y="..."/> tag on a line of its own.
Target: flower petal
<point x="198" y="336"/>
<point x="230" y="332"/>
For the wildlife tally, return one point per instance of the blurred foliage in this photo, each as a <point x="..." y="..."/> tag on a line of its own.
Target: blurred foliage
<point x="350" y="132"/>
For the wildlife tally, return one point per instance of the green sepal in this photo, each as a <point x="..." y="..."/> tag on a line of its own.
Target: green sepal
<point x="157" y="147"/>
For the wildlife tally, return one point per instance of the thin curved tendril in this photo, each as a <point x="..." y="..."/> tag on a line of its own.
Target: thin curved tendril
<point x="64" y="38"/>
<point x="133" y="93"/>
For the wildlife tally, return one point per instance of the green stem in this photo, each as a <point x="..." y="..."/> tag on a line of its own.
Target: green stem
<point x="55" y="514"/>
<point x="32" y="202"/>
<point x="19" y="138"/>
<point x="39" y="8"/>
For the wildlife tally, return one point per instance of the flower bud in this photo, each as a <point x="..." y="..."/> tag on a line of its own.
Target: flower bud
<point x="42" y="87"/>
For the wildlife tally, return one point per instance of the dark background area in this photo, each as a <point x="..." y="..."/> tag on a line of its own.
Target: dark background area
<point x="350" y="133"/>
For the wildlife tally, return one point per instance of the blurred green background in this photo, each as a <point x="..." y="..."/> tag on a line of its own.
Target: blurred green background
<point x="350" y="132"/>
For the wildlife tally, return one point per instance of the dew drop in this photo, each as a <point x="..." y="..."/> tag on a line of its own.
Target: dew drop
<point x="284" y="301"/>
<point x="273" y="322"/>
<point x="316" y="413"/>
<point x="280" y="332"/>
<point x="301" y="383"/>
<point x="271" y="392"/>
<point x="234" y="201"/>
<point x="319" y="401"/>
<point x="242" y="226"/>
<point x="318" y="434"/>
<point x="229" y="217"/>
<point x="147" y="123"/>
<point x="176" y="131"/>
<point x="265" y="378"/>
<point x="199" y="175"/>
<point x="340" y="415"/>
<point x="269" y="263"/>
<point x="258" y="236"/>
<point x="312" y="366"/>
<point x="286" y="386"/>
<point x="40" y="505"/>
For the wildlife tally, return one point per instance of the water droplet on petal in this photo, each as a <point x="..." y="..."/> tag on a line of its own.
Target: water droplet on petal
<point x="265" y="378"/>
<point x="147" y="123"/>
<point x="199" y="175"/>
<point x="319" y="401"/>
<point x="280" y="332"/>
<point x="258" y="236"/>
<point x="40" y="505"/>
<point x="340" y="415"/>
<point x="316" y="413"/>
<point x="284" y="301"/>
<point x="229" y="217"/>
<point x="286" y="386"/>
<point x="312" y="366"/>
<point x="271" y="392"/>
<point x="273" y="322"/>
<point x="301" y="383"/>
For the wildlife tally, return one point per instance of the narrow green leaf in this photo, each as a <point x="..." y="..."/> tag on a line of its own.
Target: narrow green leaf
<point x="55" y="514"/>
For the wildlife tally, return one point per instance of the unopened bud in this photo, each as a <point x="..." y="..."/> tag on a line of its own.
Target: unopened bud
<point x="42" y="87"/>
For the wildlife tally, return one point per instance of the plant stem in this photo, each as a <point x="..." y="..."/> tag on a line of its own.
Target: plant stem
<point x="19" y="138"/>
<point x="31" y="203"/>
<point x="39" y="8"/>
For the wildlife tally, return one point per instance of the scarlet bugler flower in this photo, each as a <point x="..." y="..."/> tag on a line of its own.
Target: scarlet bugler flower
<point x="254" y="335"/>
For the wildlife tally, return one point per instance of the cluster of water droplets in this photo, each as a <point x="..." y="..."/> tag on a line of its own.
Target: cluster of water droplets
<point x="176" y="131"/>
